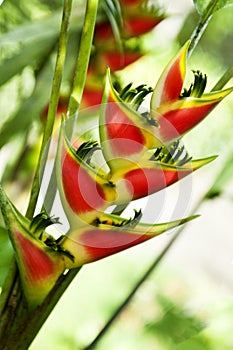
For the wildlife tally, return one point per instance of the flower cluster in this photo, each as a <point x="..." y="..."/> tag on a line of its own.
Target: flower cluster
<point x="142" y="155"/>
<point x="138" y="153"/>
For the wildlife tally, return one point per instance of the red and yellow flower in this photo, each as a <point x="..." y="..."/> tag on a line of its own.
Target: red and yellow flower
<point x="139" y="161"/>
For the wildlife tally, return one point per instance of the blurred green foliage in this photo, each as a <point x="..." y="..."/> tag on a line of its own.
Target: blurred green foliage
<point x="175" y="325"/>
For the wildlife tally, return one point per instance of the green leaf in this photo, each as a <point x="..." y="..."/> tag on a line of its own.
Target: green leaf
<point x="27" y="56"/>
<point x="31" y="32"/>
<point x="202" y="5"/>
<point x="32" y="107"/>
<point x="6" y="253"/>
<point x="30" y="43"/>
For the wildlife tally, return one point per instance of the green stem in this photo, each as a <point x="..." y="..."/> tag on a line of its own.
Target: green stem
<point x="83" y="57"/>
<point x="11" y="292"/>
<point x="27" y="330"/>
<point x="228" y="75"/>
<point x="8" y="286"/>
<point x="61" y="53"/>
<point x="78" y="84"/>
<point x="199" y="30"/>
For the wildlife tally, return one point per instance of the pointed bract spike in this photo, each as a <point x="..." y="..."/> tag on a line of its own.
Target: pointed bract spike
<point x="198" y="163"/>
<point x="176" y="118"/>
<point x="217" y="95"/>
<point x="92" y="244"/>
<point x="171" y="81"/>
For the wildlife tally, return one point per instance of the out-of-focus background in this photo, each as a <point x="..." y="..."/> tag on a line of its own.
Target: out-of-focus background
<point x="187" y="302"/>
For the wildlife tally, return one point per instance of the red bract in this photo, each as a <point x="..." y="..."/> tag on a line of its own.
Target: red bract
<point x="175" y="112"/>
<point x="139" y="25"/>
<point x="131" y="2"/>
<point x="91" y="97"/>
<point x="89" y="244"/>
<point x="83" y="192"/>
<point x="103" y="32"/>
<point x="39" y="265"/>
<point x="119" y="60"/>
<point x="145" y="178"/>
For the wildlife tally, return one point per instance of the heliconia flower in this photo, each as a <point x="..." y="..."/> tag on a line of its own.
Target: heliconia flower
<point x="83" y="191"/>
<point x="111" y="235"/>
<point x="124" y="132"/>
<point x="39" y="265"/>
<point x="138" y="161"/>
<point x="178" y="112"/>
